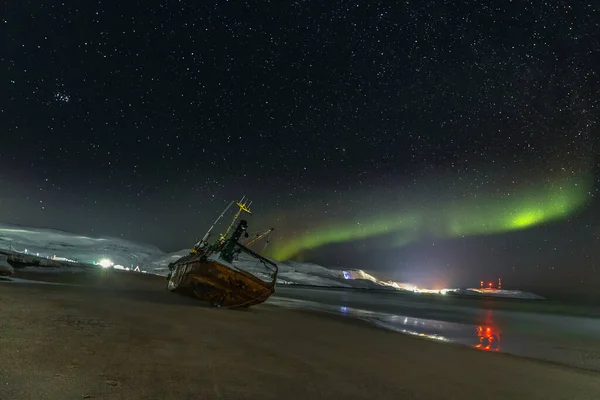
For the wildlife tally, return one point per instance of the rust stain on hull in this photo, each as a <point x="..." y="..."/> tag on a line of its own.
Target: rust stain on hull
<point x="218" y="284"/>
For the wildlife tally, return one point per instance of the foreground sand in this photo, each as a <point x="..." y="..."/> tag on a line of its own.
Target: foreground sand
<point x="128" y="338"/>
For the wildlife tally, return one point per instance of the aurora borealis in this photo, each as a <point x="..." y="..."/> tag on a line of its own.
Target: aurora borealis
<point x="482" y="215"/>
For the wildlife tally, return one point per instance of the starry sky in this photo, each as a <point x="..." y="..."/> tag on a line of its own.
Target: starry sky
<point x="437" y="142"/>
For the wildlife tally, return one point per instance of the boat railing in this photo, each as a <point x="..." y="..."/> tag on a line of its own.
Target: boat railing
<point x="252" y="262"/>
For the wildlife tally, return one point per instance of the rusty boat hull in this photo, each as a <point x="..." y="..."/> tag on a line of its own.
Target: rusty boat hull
<point x="218" y="282"/>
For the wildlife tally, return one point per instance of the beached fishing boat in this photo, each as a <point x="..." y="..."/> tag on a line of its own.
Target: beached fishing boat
<point x="225" y="273"/>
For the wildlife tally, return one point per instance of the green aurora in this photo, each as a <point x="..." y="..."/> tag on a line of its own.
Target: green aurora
<point x="478" y="215"/>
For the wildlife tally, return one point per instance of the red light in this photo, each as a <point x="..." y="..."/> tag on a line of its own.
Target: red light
<point x="489" y="339"/>
<point x="490" y="284"/>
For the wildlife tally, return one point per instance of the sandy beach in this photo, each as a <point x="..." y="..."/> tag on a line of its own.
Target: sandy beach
<point x="120" y="335"/>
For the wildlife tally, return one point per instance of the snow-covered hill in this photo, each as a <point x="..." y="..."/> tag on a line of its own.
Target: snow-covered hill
<point x="66" y="245"/>
<point x="292" y="272"/>
<point x="85" y="249"/>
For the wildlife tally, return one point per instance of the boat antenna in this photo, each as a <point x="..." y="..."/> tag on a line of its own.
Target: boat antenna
<point x="258" y="237"/>
<point x="243" y="205"/>
<point x="202" y="241"/>
<point x="268" y="237"/>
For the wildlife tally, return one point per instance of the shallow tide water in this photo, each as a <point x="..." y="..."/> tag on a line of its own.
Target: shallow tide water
<point x="572" y="340"/>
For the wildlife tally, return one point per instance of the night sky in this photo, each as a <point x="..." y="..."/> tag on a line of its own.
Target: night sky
<point x="435" y="142"/>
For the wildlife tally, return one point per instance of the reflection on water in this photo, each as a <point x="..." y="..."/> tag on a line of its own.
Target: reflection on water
<point x="530" y="334"/>
<point x="488" y="334"/>
<point x="437" y="330"/>
<point x="424" y="335"/>
<point x="489" y="338"/>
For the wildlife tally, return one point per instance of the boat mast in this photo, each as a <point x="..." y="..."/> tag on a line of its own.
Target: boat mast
<point x="244" y="205"/>
<point x="204" y="239"/>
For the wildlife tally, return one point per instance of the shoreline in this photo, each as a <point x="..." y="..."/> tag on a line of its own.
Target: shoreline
<point x="116" y="341"/>
<point x="444" y="320"/>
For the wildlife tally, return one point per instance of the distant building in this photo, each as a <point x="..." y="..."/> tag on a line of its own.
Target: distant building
<point x="55" y="258"/>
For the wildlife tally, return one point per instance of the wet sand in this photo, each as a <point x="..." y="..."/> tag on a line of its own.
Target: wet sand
<point x="122" y="336"/>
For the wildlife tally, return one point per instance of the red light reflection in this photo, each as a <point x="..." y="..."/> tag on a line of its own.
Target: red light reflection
<point x="489" y="338"/>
